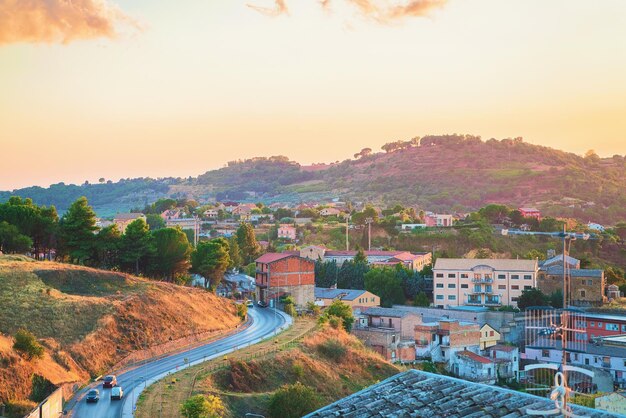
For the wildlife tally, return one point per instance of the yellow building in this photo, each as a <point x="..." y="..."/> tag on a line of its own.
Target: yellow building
<point x="489" y="337"/>
<point x="352" y="297"/>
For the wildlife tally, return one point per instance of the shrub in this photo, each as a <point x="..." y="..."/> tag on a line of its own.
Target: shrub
<point x="332" y="349"/>
<point x="26" y="343"/>
<point x="242" y="311"/>
<point x="41" y="388"/>
<point x="290" y="310"/>
<point x="341" y="310"/>
<point x="293" y="401"/>
<point x="200" y="406"/>
<point x="298" y="370"/>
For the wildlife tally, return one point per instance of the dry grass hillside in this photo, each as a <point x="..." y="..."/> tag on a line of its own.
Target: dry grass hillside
<point x="88" y="320"/>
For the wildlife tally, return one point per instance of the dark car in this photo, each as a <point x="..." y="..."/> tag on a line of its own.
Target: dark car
<point x="93" y="396"/>
<point x="109" y="381"/>
<point x="262" y="304"/>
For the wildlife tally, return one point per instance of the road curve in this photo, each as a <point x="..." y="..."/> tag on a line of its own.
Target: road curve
<point x="265" y="323"/>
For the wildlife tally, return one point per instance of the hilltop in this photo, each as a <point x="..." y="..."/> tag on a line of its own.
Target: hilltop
<point x="440" y="173"/>
<point x="91" y="320"/>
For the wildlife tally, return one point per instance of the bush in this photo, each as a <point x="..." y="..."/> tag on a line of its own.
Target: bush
<point x="332" y="349"/>
<point x="293" y="401"/>
<point x="242" y="311"/>
<point x="41" y="388"/>
<point x="341" y="310"/>
<point x="26" y="343"/>
<point x="201" y="406"/>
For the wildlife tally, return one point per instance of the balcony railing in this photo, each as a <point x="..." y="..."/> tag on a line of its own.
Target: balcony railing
<point x="493" y="303"/>
<point x="481" y="292"/>
<point x="474" y="302"/>
<point x="482" y="280"/>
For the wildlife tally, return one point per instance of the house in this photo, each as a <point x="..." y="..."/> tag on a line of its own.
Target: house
<point x="103" y="223"/>
<point x="237" y="283"/>
<point x="122" y="220"/>
<point x="440" y="340"/>
<point x="438" y="220"/>
<point x="530" y="213"/>
<point x="416" y="393"/>
<point x="482" y="282"/>
<point x="489" y="336"/>
<point x="604" y="325"/>
<point x="413" y="261"/>
<point x="613" y="292"/>
<point x="388" y="331"/>
<point x="284" y="274"/>
<point x="352" y="297"/>
<point x="506" y="359"/>
<point x="474" y="367"/>
<point x="557" y="260"/>
<point x="330" y="212"/>
<point x="192" y="224"/>
<point x="595" y="227"/>
<point x="229" y="206"/>
<point x="287" y="232"/>
<point x="613" y="402"/>
<point x="586" y="285"/>
<point x="410" y="227"/>
<point x="172" y="214"/>
<point x="211" y="213"/>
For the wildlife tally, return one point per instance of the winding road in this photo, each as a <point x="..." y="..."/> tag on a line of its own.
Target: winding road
<point x="265" y="323"/>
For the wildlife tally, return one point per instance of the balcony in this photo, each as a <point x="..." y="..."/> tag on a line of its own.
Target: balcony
<point x="474" y="302"/>
<point x="481" y="292"/>
<point x="482" y="280"/>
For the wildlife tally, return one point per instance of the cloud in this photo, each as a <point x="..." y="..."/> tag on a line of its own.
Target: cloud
<point x="383" y="11"/>
<point x="64" y="21"/>
<point x="280" y="7"/>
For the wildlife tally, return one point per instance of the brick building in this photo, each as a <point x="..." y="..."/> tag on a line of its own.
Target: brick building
<point x="284" y="274"/>
<point x="441" y="340"/>
<point x="587" y="285"/>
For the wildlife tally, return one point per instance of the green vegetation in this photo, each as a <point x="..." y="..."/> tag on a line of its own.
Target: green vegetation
<point x="293" y="401"/>
<point x="383" y="282"/>
<point x="200" y="406"/>
<point x="210" y="259"/>
<point x="27" y="345"/>
<point x="341" y="311"/>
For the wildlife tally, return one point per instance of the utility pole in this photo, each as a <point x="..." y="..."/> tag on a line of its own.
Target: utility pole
<point x="369" y="221"/>
<point x="347" y="236"/>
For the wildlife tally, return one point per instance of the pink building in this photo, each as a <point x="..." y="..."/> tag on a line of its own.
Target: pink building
<point x="438" y="220"/>
<point x="530" y="213"/>
<point x="287" y="232"/>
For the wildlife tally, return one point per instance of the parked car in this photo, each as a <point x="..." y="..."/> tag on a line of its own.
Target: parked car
<point x="250" y="304"/>
<point x="109" y="381"/>
<point x="93" y="396"/>
<point x="117" y="393"/>
<point x="262" y="304"/>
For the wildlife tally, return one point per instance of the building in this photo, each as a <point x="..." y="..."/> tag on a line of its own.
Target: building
<point x="330" y="212"/>
<point x="388" y="331"/>
<point x="506" y="358"/>
<point x="211" y="213"/>
<point x="530" y="213"/>
<point x="440" y="340"/>
<point x="489" y="336"/>
<point x="438" y="220"/>
<point x="287" y="232"/>
<point x="413" y="261"/>
<point x="237" y="284"/>
<point x="613" y="402"/>
<point x="192" y="224"/>
<point x="604" y="325"/>
<point x="352" y="297"/>
<point x="284" y="274"/>
<point x="415" y="393"/>
<point x="613" y="292"/>
<point x="587" y="285"/>
<point x="474" y="367"/>
<point x="172" y="214"/>
<point x="557" y="260"/>
<point x="122" y="220"/>
<point x="410" y="227"/>
<point x="482" y="282"/>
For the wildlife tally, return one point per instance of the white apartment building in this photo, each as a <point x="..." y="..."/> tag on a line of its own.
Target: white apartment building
<point x="481" y="282"/>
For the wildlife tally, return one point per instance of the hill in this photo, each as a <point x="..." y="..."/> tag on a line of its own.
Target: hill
<point x="90" y="321"/>
<point x="440" y="173"/>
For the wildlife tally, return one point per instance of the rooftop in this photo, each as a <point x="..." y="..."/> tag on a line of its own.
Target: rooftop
<point x="474" y="357"/>
<point x="420" y="394"/>
<point x="496" y="264"/>
<point x="392" y="312"/>
<point x="343" y="294"/>
<point x="502" y="347"/>
<point x="127" y="216"/>
<point x="271" y="257"/>
<point x="558" y="270"/>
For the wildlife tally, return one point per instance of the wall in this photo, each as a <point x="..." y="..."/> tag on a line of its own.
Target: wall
<point x="51" y="407"/>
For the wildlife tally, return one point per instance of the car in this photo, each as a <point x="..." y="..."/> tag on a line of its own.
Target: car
<point x="109" y="381"/>
<point x="250" y="304"/>
<point x="93" y="396"/>
<point x="117" y="393"/>
<point x="262" y="304"/>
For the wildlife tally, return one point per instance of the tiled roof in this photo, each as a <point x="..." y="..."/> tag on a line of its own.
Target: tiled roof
<point x="496" y="264"/>
<point x="419" y="394"/>
<point x="127" y="216"/>
<point x="343" y="294"/>
<point x="559" y="259"/>
<point x="502" y="347"/>
<point x="271" y="257"/>
<point x="473" y="356"/>
<point x="392" y="312"/>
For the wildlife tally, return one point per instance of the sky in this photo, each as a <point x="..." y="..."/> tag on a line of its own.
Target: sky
<point x="139" y="88"/>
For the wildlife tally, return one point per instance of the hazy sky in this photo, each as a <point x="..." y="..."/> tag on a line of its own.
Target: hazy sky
<point x="174" y="88"/>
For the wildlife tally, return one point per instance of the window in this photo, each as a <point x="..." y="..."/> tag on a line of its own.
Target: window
<point x="592" y="324"/>
<point x="599" y="324"/>
<point x="624" y="328"/>
<point x="451" y="286"/>
<point x="583" y="294"/>
<point x="439" y="274"/>
<point x="439" y="297"/>
<point x="612" y="327"/>
<point x="464" y="286"/>
<point x="491" y="333"/>
<point x="451" y="275"/>
<point x="440" y="285"/>
<point x="515" y="276"/>
<point x="487" y="275"/>
<point x="586" y="361"/>
<point x="464" y="276"/>
<point x="477" y="288"/>
<point x="545" y="353"/>
<point x="527" y="287"/>
<point x="528" y="277"/>
<point x="515" y="287"/>
<point x="477" y="275"/>
<point x="451" y="297"/>
<point x="501" y="276"/>
<point x="502" y="286"/>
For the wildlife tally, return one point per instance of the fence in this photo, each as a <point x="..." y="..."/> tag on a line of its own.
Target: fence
<point x="51" y="407"/>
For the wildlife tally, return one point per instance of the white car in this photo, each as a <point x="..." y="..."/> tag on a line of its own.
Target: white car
<point x="117" y="393"/>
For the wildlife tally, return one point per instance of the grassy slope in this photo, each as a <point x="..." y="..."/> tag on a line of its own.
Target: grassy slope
<point x="91" y="317"/>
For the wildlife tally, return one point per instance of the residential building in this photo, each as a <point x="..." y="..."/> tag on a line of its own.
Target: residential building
<point x="506" y="358"/>
<point x="122" y="220"/>
<point x="172" y="214"/>
<point x="557" y="260"/>
<point x="103" y="223"/>
<point x="613" y="292"/>
<point x="413" y="261"/>
<point x="530" y="213"/>
<point x="211" y="213"/>
<point x="586" y="285"/>
<point x="284" y="274"/>
<point x="192" y="224"/>
<point x="604" y="325"/>
<point x="474" y="367"/>
<point x="595" y="227"/>
<point x="489" y="336"/>
<point x="388" y="331"/>
<point x="237" y="284"/>
<point x="440" y="340"/>
<point x="410" y="227"/>
<point x="352" y="297"/>
<point x="613" y="402"/>
<point x="482" y="282"/>
<point x="416" y="393"/>
<point x="287" y="232"/>
<point x="438" y="220"/>
<point x="330" y="212"/>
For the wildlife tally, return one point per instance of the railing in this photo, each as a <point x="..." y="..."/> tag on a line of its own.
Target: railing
<point x="474" y="302"/>
<point x="483" y="280"/>
<point x="493" y="303"/>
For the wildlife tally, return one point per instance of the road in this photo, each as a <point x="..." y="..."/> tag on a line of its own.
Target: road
<point x="265" y="323"/>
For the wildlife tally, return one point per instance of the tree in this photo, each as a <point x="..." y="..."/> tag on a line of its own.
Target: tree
<point x="200" y="406"/>
<point x="340" y="310"/>
<point x="360" y="256"/>
<point x="11" y="241"/>
<point x="172" y="251"/>
<point x="421" y="300"/>
<point x="108" y="242"/>
<point x="532" y="297"/>
<point x="283" y="213"/>
<point x="136" y="245"/>
<point x="556" y="299"/>
<point x="384" y="283"/>
<point x="247" y="242"/>
<point x="26" y="343"/>
<point x="77" y="231"/>
<point x="155" y="221"/>
<point x="234" y="252"/>
<point x="293" y="401"/>
<point x="326" y="273"/>
<point x="535" y="254"/>
<point x="494" y="213"/>
<point x="352" y="275"/>
<point x="211" y="259"/>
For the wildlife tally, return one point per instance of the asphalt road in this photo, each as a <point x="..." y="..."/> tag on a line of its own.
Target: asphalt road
<point x="265" y="323"/>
